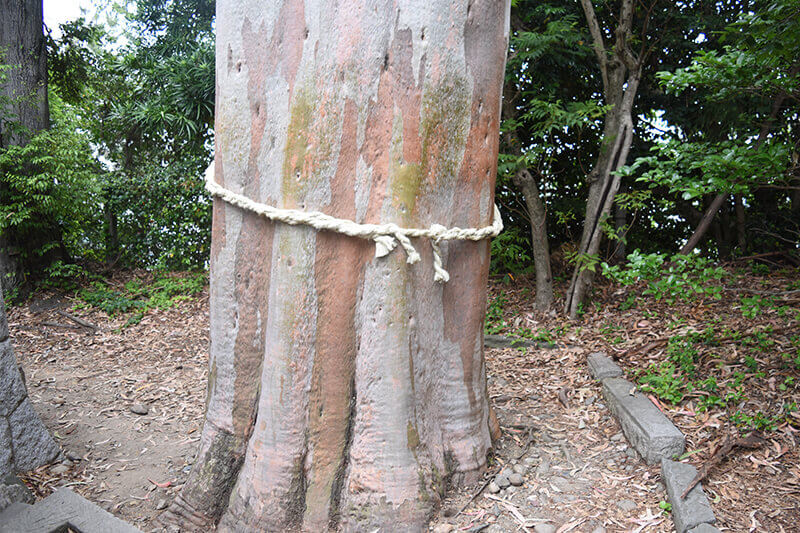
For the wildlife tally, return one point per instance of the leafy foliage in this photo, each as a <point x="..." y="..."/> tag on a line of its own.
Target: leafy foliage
<point x="51" y="182"/>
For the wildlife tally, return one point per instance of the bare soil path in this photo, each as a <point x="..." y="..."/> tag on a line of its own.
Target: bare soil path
<point x="578" y="473"/>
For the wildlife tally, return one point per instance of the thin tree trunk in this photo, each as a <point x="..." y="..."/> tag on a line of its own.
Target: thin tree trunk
<point x="525" y="181"/>
<point x="347" y="391"/>
<point x="541" y="248"/>
<point x="621" y="72"/>
<point x="705" y="223"/>
<point x="741" y="228"/>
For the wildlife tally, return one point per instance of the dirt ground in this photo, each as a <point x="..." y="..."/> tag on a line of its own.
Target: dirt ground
<point x="579" y="473"/>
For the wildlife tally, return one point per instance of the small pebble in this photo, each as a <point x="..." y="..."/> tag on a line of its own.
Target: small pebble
<point x="494" y="488"/>
<point x="520" y="469"/>
<point x="73" y="456"/>
<point x="59" y="469"/>
<point x="511" y="490"/>
<point x="139" y="409"/>
<point x="543" y="469"/>
<point x="502" y="481"/>
<point x="162" y="504"/>
<point x="443" y="528"/>
<point x="581" y="424"/>
<point x="599" y="529"/>
<point x="515" y="479"/>
<point x="617" y="437"/>
<point x="630" y="452"/>
<point x="544" y="528"/>
<point x="627" y="505"/>
<point x="533" y="501"/>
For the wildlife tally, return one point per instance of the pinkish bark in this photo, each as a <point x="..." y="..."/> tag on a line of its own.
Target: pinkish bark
<point x="347" y="392"/>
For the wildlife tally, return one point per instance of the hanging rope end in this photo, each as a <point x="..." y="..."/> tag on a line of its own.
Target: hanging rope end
<point x="383" y="245"/>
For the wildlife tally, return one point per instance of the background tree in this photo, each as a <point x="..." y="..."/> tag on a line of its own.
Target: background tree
<point x="347" y="390"/>
<point x="23" y="101"/>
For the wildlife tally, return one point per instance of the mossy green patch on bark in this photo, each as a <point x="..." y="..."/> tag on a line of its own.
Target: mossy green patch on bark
<point x="300" y="119"/>
<point x="444" y="127"/>
<point x="406" y="180"/>
<point x="412" y="437"/>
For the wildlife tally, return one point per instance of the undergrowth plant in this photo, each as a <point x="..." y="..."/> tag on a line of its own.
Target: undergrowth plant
<point x="139" y="298"/>
<point x="680" y="277"/>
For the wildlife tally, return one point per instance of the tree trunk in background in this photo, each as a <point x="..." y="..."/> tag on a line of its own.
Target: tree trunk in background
<point x="619" y="250"/>
<point x="23" y="93"/>
<point x="705" y="223"/>
<point x="25" y="443"/>
<point x="525" y="181"/>
<point x="347" y="391"/>
<point x="621" y="72"/>
<point x="741" y="228"/>
<point x="541" y="247"/>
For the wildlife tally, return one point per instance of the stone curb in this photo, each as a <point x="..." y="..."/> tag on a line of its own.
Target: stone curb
<point x="656" y="439"/>
<point x="689" y="512"/>
<point x="58" y="511"/>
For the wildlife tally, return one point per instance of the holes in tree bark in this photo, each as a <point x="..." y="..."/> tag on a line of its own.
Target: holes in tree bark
<point x="239" y="66"/>
<point x="386" y="61"/>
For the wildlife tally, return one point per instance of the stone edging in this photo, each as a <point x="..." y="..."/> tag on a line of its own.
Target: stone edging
<point x="657" y="440"/>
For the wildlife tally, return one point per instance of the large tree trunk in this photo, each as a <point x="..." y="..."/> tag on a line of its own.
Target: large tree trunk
<point x="24" y="109"/>
<point x="24" y="441"/>
<point x="347" y="391"/>
<point x="24" y="89"/>
<point x="621" y="72"/>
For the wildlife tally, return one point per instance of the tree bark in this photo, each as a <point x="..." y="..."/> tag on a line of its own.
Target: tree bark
<point x="347" y="391"/>
<point x="24" y="109"/>
<point x="621" y="73"/>
<point x="24" y="89"/>
<point x="526" y="183"/>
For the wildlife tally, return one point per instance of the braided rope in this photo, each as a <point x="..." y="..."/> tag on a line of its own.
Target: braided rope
<point x="385" y="236"/>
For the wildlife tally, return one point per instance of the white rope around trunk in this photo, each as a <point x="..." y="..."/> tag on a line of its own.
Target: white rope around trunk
<point x="386" y="236"/>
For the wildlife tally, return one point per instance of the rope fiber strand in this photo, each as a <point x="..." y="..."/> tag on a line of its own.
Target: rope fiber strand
<point x="385" y="236"/>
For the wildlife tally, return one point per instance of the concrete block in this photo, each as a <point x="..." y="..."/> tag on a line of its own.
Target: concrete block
<point x="64" y="509"/>
<point x="9" y="514"/>
<point x="693" y="510"/>
<point x="12" y="388"/>
<point x="704" y="528"/>
<point x="601" y="366"/>
<point x="647" y="429"/>
<point x="13" y="490"/>
<point x="33" y="445"/>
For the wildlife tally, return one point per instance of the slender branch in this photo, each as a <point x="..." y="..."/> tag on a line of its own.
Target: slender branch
<point x="597" y="39"/>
